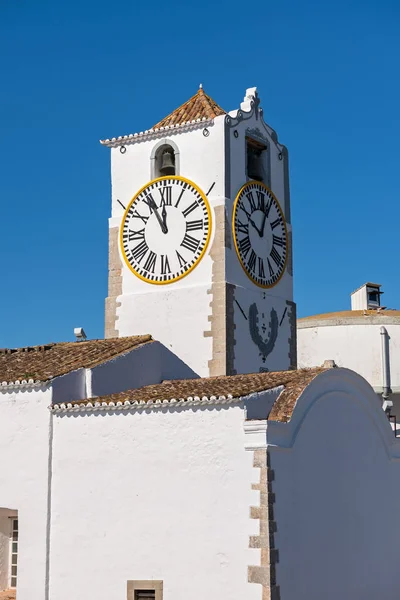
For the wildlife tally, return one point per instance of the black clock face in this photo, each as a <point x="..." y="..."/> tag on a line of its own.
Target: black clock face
<point x="165" y="230"/>
<point x="260" y="235"/>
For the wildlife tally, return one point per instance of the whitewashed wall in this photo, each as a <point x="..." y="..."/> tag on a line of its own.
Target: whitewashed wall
<point x="24" y="448"/>
<point x="337" y="486"/>
<point x="152" y="495"/>
<point x="150" y="363"/>
<point x="357" y="347"/>
<point x="167" y="310"/>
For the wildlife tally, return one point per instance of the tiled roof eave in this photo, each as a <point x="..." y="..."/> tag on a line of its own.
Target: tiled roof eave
<point x="93" y="404"/>
<point x="133" y="138"/>
<point x="23" y="385"/>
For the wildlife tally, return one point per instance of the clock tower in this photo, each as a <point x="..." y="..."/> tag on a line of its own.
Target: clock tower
<point x="200" y="244"/>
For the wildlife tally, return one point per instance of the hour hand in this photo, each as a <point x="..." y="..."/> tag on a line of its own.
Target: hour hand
<point x="164" y="218"/>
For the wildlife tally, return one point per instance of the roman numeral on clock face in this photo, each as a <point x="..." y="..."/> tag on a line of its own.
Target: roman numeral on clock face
<point x="179" y="199"/>
<point x="165" y="268"/>
<point x="149" y="200"/>
<point x="278" y="241"/>
<point x="245" y="245"/>
<point x="251" y="263"/>
<point x="261" y="272"/>
<point x="194" y="225"/>
<point x="260" y="200"/>
<point x="275" y="256"/>
<point x="268" y="206"/>
<point x="166" y="195"/>
<point x="275" y="223"/>
<point x="136" y="235"/>
<point x="252" y="203"/>
<point x="242" y="228"/>
<point x="248" y="215"/>
<point x="190" y="243"/>
<point x="182" y="261"/>
<point x="136" y="215"/>
<point x="189" y="209"/>
<point x="150" y="263"/>
<point x="139" y="251"/>
<point x="271" y="271"/>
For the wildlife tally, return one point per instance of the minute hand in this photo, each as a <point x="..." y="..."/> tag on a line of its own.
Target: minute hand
<point x="255" y="227"/>
<point x="153" y="207"/>
<point x="263" y="225"/>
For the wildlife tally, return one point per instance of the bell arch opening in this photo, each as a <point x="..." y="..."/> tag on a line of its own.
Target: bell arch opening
<point x="164" y="159"/>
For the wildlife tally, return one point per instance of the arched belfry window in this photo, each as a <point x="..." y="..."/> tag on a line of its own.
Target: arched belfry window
<point x="164" y="159"/>
<point x="256" y="160"/>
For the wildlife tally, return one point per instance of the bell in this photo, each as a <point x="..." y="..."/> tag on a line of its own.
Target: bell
<point x="167" y="163"/>
<point x="253" y="165"/>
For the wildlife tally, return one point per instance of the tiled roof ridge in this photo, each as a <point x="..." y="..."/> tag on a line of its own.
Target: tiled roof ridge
<point x="38" y="348"/>
<point x="32" y="365"/>
<point x="211" y="390"/>
<point x="49" y="345"/>
<point x="184" y="112"/>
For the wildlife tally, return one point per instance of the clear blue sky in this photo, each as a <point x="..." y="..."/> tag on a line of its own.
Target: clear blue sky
<point x="74" y="72"/>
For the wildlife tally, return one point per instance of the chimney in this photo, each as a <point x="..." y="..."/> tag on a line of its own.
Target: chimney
<point x="366" y="297"/>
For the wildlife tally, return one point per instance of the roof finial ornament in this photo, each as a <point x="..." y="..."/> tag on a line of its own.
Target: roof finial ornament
<point x="200" y="86"/>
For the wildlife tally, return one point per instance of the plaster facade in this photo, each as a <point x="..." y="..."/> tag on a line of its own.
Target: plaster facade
<point x="160" y="515"/>
<point x="354" y="342"/>
<point x="212" y="304"/>
<point x="26" y="439"/>
<point x="265" y="509"/>
<point x="25" y="425"/>
<point x="336" y="485"/>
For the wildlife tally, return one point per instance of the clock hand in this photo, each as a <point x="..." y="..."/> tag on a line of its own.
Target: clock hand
<point x="263" y="225"/>
<point x="164" y="217"/>
<point x="255" y="226"/>
<point x="153" y="207"/>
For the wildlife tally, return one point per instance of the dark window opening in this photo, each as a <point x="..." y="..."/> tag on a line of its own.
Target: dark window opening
<point x="256" y="153"/>
<point x="14" y="553"/>
<point x="145" y="594"/>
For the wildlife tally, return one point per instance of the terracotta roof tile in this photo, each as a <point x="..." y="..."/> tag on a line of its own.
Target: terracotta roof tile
<point x="235" y="386"/>
<point x="41" y="363"/>
<point x="8" y="594"/>
<point x="200" y="106"/>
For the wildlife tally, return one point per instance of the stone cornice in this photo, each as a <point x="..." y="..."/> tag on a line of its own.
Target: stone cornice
<point x="133" y="138"/>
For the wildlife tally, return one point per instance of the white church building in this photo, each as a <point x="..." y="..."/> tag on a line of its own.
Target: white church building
<point x="185" y="455"/>
<point x="365" y="339"/>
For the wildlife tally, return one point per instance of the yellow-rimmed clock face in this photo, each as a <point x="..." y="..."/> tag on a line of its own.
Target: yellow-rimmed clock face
<point x="259" y="233"/>
<point x="165" y="230"/>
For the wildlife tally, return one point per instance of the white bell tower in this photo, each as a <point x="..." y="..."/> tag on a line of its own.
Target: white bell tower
<point x="233" y="311"/>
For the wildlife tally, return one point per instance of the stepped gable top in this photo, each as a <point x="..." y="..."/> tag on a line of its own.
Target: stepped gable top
<point x="209" y="389"/>
<point x="200" y="106"/>
<point x="41" y="363"/>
